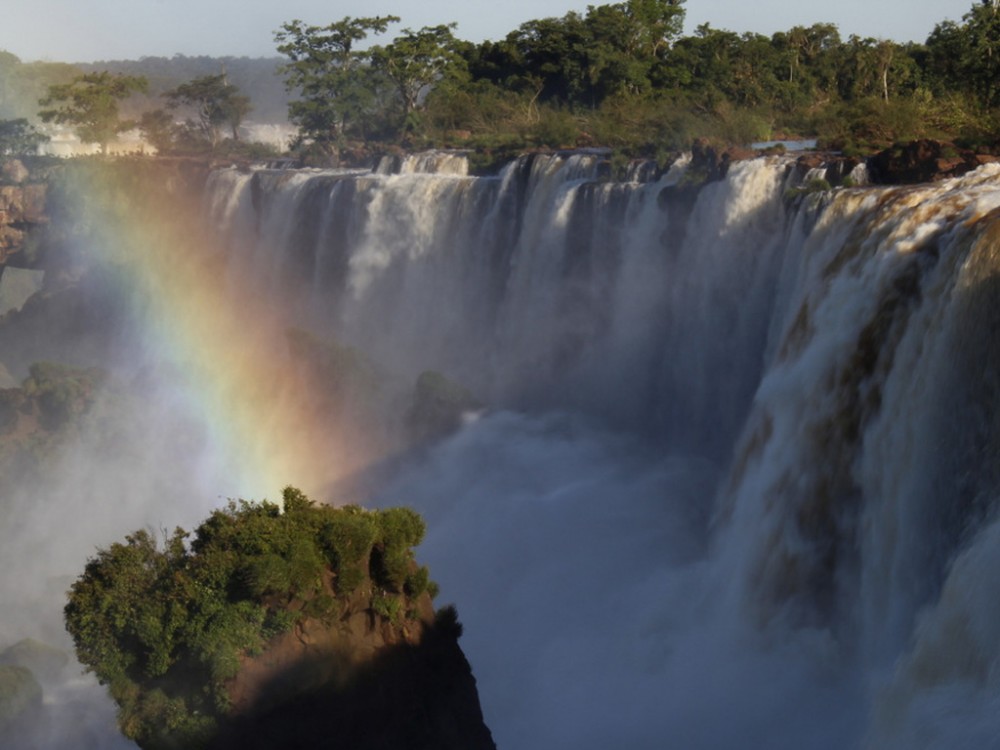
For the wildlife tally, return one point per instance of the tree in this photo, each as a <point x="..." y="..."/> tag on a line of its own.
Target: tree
<point x="158" y="129"/>
<point x="18" y="137"/>
<point x="415" y="60"/>
<point x="580" y="60"/>
<point x="966" y="57"/>
<point x="216" y="103"/>
<point x="90" y="103"/>
<point x="655" y="24"/>
<point x="548" y="57"/>
<point x="331" y="77"/>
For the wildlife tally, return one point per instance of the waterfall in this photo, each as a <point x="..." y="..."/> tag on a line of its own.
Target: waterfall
<point x="737" y="484"/>
<point x="728" y="473"/>
<point x="534" y="287"/>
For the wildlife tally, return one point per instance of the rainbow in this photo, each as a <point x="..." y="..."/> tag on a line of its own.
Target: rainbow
<point x="230" y="347"/>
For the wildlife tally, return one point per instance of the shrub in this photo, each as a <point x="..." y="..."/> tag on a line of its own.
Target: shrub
<point x="418" y="582"/>
<point x="388" y="607"/>
<point x="815" y="185"/>
<point x="400" y="529"/>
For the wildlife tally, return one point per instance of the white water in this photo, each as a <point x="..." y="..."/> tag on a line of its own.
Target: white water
<point x="738" y="484"/>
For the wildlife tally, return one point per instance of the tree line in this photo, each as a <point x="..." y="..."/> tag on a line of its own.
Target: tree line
<point x="620" y="75"/>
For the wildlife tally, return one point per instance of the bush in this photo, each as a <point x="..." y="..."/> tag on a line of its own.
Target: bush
<point x="400" y="529"/>
<point x="388" y="607"/>
<point x="815" y="185"/>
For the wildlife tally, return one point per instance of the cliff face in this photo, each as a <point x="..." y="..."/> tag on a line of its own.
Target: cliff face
<point x="925" y="161"/>
<point x="367" y="683"/>
<point x="22" y="206"/>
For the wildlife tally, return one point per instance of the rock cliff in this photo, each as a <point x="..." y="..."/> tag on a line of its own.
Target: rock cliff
<point x="367" y="683"/>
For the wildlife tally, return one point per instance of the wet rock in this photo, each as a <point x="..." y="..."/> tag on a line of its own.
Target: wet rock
<point x="13" y="170"/>
<point x="711" y="163"/>
<point x="923" y="160"/>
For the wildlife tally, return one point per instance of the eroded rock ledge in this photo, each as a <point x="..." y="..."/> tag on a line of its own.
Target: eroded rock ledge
<point x="364" y="684"/>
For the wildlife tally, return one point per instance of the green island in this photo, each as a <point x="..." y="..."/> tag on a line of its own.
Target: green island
<point x="168" y="627"/>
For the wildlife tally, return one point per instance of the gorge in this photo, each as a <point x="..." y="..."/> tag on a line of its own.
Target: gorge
<point x="724" y="468"/>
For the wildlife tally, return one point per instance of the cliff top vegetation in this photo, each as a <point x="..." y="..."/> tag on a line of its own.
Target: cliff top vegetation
<point x="167" y="627"/>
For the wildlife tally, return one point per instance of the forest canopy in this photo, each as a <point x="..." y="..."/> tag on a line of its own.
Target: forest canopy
<point x="619" y="75"/>
<point x="622" y="75"/>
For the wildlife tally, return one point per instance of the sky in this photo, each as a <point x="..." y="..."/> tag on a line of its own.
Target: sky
<point x="90" y="30"/>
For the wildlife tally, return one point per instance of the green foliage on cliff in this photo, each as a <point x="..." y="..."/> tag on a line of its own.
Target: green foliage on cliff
<point x="622" y="75"/>
<point x="90" y="103"/>
<point x="166" y="627"/>
<point x="334" y="79"/>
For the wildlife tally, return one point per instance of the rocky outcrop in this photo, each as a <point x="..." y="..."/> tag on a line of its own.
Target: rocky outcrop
<point x="833" y="168"/>
<point x="367" y="683"/>
<point x="710" y="163"/>
<point x="22" y="206"/>
<point x="924" y="160"/>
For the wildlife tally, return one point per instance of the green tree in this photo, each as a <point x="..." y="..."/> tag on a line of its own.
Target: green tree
<point x="415" y="60"/>
<point x="547" y="57"/>
<point x="627" y="40"/>
<point x="966" y="57"/>
<point x="332" y="78"/>
<point x="158" y="129"/>
<point x="877" y="68"/>
<point x="217" y="104"/>
<point x="652" y="25"/>
<point x="19" y="137"/>
<point x="90" y="103"/>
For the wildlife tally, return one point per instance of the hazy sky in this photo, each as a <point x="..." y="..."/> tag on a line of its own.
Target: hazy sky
<point x="87" y="30"/>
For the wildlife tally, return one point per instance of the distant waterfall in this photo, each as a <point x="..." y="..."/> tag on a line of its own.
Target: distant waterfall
<point x="738" y="484"/>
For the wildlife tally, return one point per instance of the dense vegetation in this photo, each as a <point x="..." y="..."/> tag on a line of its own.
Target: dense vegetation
<point x="166" y="628"/>
<point x="619" y="75"/>
<point x="622" y="75"/>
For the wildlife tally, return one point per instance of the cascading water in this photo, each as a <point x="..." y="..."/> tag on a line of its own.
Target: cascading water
<point x="734" y="484"/>
<point x="737" y="485"/>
